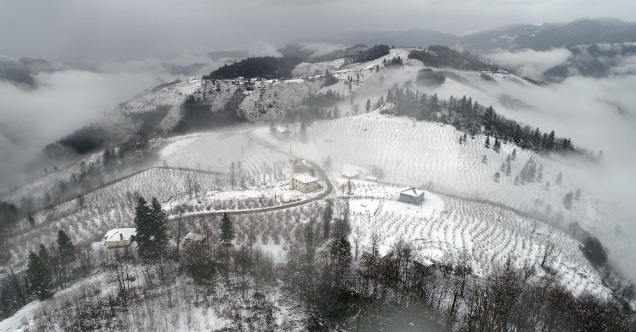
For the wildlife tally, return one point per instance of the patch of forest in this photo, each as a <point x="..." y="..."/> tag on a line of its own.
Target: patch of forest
<point x="197" y="116"/>
<point x="308" y="54"/>
<point x="370" y="54"/>
<point x="442" y="56"/>
<point x="469" y="116"/>
<point x="267" y="67"/>
<point x="84" y="140"/>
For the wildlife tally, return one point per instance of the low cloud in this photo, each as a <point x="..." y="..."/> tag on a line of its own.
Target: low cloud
<point x="62" y="102"/>
<point x="625" y="66"/>
<point x="320" y="49"/>
<point x="530" y="63"/>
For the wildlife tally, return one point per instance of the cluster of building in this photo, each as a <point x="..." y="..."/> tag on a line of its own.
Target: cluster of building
<point x="302" y="179"/>
<point x="253" y="83"/>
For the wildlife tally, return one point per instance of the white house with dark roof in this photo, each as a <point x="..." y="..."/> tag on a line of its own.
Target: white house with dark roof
<point x="120" y="237"/>
<point x="304" y="182"/>
<point x="411" y="196"/>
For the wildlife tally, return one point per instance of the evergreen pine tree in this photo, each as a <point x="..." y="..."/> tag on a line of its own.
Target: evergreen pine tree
<point x="517" y="180"/>
<point x="484" y="159"/>
<point x="497" y="176"/>
<point x="487" y="144"/>
<point x="368" y="106"/>
<point x="143" y="227"/>
<point x="513" y="157"/>
<point x="508" y="169"/>
<point x="31" y="219"/>
<point x="341" y="251"/>
<point x="567" y="200"/>
<point x="37" y="276"/>
<point x="159" y="232"/>
<point x="227" y="230"/>
<point x="497" y="145"/>
<point x="65" y="247"/>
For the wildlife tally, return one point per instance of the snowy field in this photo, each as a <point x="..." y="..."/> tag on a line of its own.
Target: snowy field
<point x="428" y="155"/>
<point x="423" y="153"/>
<point x="113" y="206"/>
<point x="451" y="230"/>
<point x="216" y="151"/>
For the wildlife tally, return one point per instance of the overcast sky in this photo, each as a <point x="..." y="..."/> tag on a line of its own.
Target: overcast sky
<point x="80" y="31"/>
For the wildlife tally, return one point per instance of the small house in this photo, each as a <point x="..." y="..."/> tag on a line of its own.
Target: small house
<point x="304" y="183"/>
<point x="194" y="239"/>
<point x="412" y="196"/>
<point x="120" y="237"/>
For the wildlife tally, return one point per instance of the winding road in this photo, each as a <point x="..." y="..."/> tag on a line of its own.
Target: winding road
<point x="318" y="169"/>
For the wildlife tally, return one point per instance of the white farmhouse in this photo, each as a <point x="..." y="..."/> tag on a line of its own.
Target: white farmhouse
<point x="305" y="183"/>
<point x="120" y="237"/>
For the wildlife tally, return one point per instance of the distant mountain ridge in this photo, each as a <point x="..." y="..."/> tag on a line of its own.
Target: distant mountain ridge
<point x="21" y="70"/>
<point x="536" y="36"/>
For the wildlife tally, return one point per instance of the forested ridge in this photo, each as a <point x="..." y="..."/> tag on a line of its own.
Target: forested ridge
<point x="266" y="67"/>
<point x="471" y="117"/>
<point x="442" y="56"/>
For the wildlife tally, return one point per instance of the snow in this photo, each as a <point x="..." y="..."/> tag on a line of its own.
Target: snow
<point x="412" y="192"/>
<point x="126" y="233"/>
<point x="305" y="178"/>
<point x="427" y="155"/>
<point x="451" y="230"/>
<point x="194" y="237"/>
<point x="170" y="94"/>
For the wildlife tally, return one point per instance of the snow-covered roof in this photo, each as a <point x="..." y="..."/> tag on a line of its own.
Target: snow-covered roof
<point x="412" y="192"/>
<point x="305" y="178"/>
<point x="114" y="234"/>
<point x="423" y="261"/>
<point x="195" y="237"/>
<point x="372" y="178"/>
<point x="282" y="129"/>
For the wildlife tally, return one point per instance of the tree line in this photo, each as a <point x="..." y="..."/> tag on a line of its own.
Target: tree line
<point x="442" y="56"/>
<point x="48" y="268"/>
<point x="266" y="67"/>
<point x="469" y="116"/>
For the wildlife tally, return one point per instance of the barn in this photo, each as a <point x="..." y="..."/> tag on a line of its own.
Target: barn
<point x="411" y="196"/>
<point x="120" y="237"/>
<point x="305" y="183"/>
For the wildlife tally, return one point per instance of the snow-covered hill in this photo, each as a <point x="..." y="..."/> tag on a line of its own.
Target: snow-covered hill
<point x="423" y="153"/>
